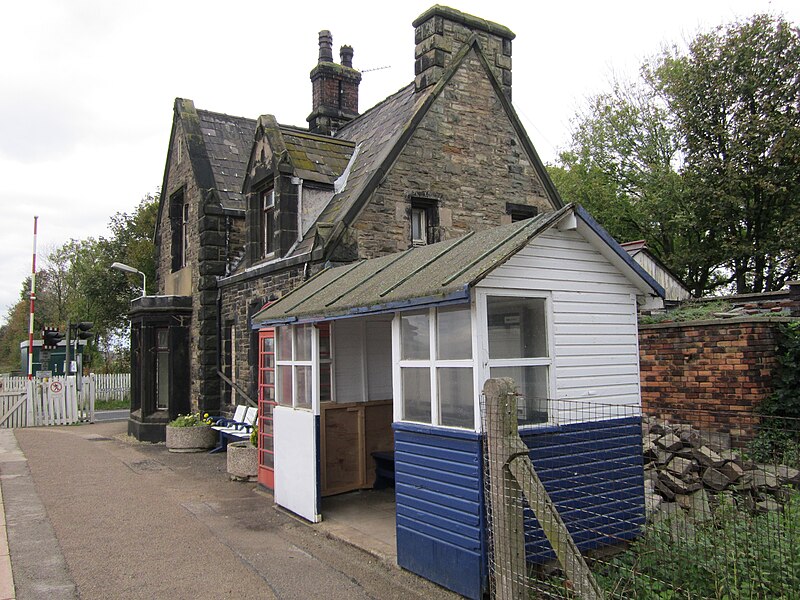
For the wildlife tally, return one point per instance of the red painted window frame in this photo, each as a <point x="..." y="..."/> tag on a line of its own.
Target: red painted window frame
<point x="266" y="404"/>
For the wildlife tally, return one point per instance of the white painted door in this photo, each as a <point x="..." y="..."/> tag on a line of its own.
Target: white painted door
<point x="296" y="484"/>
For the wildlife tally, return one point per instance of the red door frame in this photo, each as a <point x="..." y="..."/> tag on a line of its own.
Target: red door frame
<point x="266" y="404"/>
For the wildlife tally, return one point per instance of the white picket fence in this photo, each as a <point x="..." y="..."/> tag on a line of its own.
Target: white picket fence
<point x="57" y="400"/>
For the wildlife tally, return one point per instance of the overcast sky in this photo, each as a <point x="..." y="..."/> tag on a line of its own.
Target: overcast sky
<point x="87" y="86"/>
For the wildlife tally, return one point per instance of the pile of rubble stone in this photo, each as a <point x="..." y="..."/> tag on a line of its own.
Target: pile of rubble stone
<point x="686" y="468"/>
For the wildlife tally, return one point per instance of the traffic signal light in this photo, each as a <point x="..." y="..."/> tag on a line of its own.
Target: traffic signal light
<point x="82" y="330"/>
<point x="51" y="336"/>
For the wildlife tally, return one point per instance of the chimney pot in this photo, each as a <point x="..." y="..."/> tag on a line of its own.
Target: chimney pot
<point x="346" y="55"/>
<point x="325" y="46"/>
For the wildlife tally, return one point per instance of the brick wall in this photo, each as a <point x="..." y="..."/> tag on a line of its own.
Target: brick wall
<point x="720" y="366"/>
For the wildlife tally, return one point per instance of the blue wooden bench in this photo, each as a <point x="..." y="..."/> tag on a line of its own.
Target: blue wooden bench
<point x="236" y="429"/>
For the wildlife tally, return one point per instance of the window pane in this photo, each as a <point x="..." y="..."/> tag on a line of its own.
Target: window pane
<point x="418" y="225"/>
<point x="516" y="327"/>
<point x="456" y="397"/>
<point x="454" y="338"/>
<point x="533" y="388"/>
<point x="268" y="345"/>
<point x="284" y="343"/>
<point x="417" y="395"/>
<point x="324" y="342"/>
<point x="162" y="379"/>
<point x="303" y="375"/>
<point x="285" y="385"/>
<point x="325" y="383"/>
<point x="415" y="336"/>
<point x="302" y="341"/>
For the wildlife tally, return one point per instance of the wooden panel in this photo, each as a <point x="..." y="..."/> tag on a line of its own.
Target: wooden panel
<point x="379" y="436"/>
<point x="350" y="432"/>
<point x="594" y="315"/>
<point x="593" y="473"/>
<point x="440" y="513"/>
<point x="342" y="455"/>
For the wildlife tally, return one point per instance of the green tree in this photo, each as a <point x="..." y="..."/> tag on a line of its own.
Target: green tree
<point x="701" y="157"/>
<point x="76" y="285"/>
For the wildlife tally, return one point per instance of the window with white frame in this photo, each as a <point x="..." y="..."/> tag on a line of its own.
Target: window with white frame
<point x="436" y="379"/>
<point x="519" y="348"/>
<point x="294" y="366"/>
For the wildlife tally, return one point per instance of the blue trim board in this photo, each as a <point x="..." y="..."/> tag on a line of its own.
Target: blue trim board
<point x="440" y="512"/>
<point x="593" y="472"/>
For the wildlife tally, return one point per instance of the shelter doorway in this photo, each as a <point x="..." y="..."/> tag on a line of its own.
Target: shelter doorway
<point x="357" y="419"/>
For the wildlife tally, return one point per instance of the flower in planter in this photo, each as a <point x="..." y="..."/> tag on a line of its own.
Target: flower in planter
<point x="192" y="420"/>
<point x="254" y="435"/>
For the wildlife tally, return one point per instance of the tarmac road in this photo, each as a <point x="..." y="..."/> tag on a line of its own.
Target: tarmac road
<point x="91" y="514"/>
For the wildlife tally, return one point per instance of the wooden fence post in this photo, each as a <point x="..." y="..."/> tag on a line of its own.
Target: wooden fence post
<point x="505" y="496"/>
<point x="511" y="471"/>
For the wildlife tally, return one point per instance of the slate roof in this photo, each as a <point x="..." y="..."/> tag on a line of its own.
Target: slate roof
<point x="316" y="157"/>
<point x="633" y="248"/>
<point x="375" y="132"/>
<point x="227" y="140"/>
<point x="419" y="276"/>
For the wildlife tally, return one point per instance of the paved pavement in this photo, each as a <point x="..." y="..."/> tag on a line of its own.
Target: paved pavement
<point x="92" y="514"/>
<point x="112" y="415"/>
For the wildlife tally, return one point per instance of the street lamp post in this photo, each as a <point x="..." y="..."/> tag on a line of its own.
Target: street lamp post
<point x="128" y="269"/>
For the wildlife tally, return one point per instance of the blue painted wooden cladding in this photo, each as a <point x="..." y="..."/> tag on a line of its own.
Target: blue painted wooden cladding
<point x="440" y="513"/>
<point x="593" y="472"/>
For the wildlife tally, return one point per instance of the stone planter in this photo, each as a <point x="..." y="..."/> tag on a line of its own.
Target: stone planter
<point x="242" y="461"/>
<point x="190" y="439"/>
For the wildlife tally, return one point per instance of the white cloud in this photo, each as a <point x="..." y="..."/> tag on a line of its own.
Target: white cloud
<point x="88" y="85"/>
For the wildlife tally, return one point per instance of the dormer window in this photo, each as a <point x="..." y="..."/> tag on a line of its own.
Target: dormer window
<point x="267" y="205"/>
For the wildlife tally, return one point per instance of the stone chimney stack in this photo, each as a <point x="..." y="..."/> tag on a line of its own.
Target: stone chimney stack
<point x="346" y="56"/>
<point x="440" y="33"/>
<point x="325" y="46"/>
<point x="334" y="88"/>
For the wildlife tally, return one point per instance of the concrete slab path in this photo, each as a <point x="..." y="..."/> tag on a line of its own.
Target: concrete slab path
<point x="91" y="513"/>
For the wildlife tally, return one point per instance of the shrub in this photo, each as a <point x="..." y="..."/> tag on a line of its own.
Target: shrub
<point x="733" y="556"/>
<point x="191" y="420"/>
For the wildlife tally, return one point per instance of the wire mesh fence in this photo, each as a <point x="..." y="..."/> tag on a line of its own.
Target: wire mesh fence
<point x="680" y="504"/>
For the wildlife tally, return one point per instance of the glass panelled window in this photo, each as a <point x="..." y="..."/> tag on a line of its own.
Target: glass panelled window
<point x="519" y="349"/>
<point x="267" y="202"/>
<point x="436" y="367"/>
<point x="295" y="369"/>
<point x="162" y="368"/>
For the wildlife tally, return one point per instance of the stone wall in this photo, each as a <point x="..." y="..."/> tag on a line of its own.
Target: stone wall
<point x="240" y="300"/>
<point x="721" y="367"/>
<point x="466" y="155"/>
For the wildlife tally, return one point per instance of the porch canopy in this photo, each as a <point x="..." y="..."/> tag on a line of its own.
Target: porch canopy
<point x="435" y="274"/>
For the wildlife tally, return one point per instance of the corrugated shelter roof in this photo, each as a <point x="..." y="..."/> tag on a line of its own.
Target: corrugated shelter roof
<point x="227" y="140"/>
<point x="316" y="157"/>
<point x="416" y="277"/>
